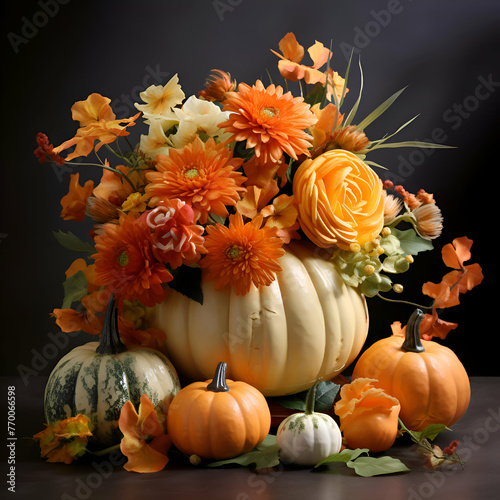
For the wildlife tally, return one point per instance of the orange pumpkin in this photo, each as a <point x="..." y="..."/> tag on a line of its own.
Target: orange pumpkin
<point x="218" y="419"/>
<point x="427" y="378"/>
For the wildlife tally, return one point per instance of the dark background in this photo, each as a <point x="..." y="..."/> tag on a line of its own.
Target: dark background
<point x="56" y="53"/>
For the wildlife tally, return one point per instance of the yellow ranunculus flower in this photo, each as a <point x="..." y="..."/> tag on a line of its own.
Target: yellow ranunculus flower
<point x="340" y="200"/>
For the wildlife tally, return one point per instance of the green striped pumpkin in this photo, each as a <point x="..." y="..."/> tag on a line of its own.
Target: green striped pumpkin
<point x="96" y="379"/>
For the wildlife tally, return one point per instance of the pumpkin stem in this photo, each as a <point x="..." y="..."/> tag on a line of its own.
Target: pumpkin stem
<point x="218" y="383"/>
<point x="311" y="398"/>
<point x="412" y="341"/>
<point x="110" y="337"/>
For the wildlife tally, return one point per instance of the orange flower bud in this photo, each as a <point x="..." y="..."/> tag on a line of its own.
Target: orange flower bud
<point x="340" y="200"/>
<point x="368" y="415"/>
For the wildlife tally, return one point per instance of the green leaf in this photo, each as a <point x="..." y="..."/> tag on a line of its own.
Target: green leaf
<point x="292" y="402"/>
<point x="187" y="280"/>
<point x="375" y="283"/>
<point x="264" y="455"/>
<point x="430" y="432"/>
<point x="410" y="242"/>
<point x="381" y="143"/>
<point x="379" y="110"/>
<point x="71" y="242"/>
<point x="411" y="144"/>
<point x="75" y="288"/>
<point x="354" y="109"/>
<point x="344" y="456"/>
<point x="316" y="94"/>
<point x="370" y="466"/>
<point x="325" y="396"/>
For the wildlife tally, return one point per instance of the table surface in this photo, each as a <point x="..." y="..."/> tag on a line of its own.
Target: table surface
<point x="478" y="431"/>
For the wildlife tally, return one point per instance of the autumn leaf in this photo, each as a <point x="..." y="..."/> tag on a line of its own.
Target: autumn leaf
<point x="66" y="440"/>
<point x="433" y="326"/>
<point x="456" y="253"/>
<point x="461" y="279"/>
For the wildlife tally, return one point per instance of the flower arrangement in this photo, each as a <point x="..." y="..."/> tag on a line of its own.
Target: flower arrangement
<point x="218" y="187"/>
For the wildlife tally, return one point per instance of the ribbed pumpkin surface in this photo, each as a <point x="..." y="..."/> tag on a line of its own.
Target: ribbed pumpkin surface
<point x="432" y="387"/>
<point x="280" y="338"/>
<point x="97" y="385"/>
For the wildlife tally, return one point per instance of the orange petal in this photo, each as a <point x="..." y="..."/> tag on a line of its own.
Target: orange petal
<point x="148" y="457"/>
<point x="94" y="108"/>
<point x="290" y="48"/>
<point x="319" y="54"/>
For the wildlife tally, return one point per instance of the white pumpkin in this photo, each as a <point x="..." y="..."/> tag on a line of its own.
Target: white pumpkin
<point x="307" y="324"/>
<point x="97" y="384"/>
<point x="307" y="438"/>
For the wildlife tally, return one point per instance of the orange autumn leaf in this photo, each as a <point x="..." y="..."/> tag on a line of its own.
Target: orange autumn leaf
<point x="144" y="454"/>
<point x="433" y="326"/>
<point x="463" y="278"/>
<point x="456" y="253"/>
<point x="66" y="440"/>
<point x="75" y="202"/>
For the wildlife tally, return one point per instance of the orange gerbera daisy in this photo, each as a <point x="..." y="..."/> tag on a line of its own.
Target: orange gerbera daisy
<point x="269" y="121"/>
<point x="203" y="175"/>
<point x="125" y="262"/>
<point x="241" y="254"/>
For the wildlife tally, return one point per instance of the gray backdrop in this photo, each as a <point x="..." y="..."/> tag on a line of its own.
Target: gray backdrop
<point x="58" y="52"/>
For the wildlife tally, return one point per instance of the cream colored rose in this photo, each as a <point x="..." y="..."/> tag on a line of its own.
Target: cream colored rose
<point x="340" y="200"/>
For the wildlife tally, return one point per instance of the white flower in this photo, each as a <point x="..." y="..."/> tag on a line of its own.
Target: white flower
<point x="198" y="117"/>
<point x="161" y="99"/>
<point x="156" y="142"/>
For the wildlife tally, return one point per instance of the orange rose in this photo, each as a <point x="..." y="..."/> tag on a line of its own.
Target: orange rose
<point x="340" y="200"/>
<point x="368" y="416"/>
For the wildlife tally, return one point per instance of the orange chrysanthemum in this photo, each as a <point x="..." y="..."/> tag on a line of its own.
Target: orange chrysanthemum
<point x="241" y="254"/>
<point x="217" y="85"/>
<point x="269" y="121"/>
<point x="203" y="175"/>
<point x="125" y="262"/>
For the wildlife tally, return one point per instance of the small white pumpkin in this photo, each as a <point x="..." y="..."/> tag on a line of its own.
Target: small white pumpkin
<point x="309" y="437"/>
<point x="96" y="379"/>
